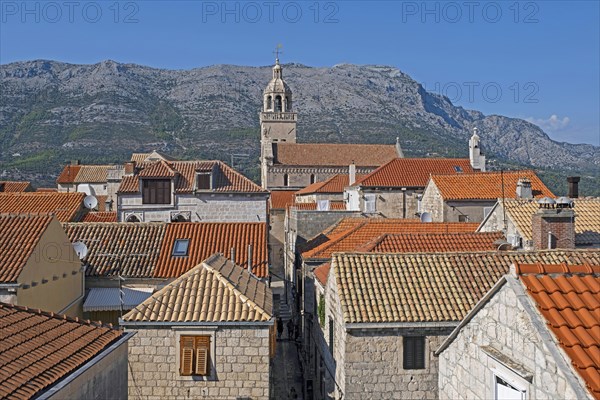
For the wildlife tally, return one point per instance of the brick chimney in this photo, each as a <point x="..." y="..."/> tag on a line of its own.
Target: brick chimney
<point x="553" y="226"/>
<point x="573" y="186"/>
<point x="130" y="168"/>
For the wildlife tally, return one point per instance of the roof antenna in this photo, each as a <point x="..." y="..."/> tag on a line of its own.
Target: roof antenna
<point x="503" y="201"/>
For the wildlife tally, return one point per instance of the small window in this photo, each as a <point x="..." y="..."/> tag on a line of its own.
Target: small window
<point x="370" y="203"/>
<point x="194" y="355"/>
<point x="269" y="102"/>
<point x="331" y="335"/>
<point x="180" y="247"/>
<point x="463" y="218"/>
<point x="286" y="181"/>
<point x="414" y="352"/>
<point x="204" y="181"/>
<point x="505" y="391"/>
<point x="458" y="169"/>
<point x="278" y="103"/>
<point x="312" y="178"/>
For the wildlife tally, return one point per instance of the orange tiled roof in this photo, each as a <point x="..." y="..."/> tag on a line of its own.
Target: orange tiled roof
<point x="280" y="199"/>
<point x="413" y="172"/>
<point x="369" y="229"/>
<point x="434" y="287"/>
<point x="37" y="348"/>
<point x="335" y="184"/>
<point x="333" y="206"/>
<point x="209" y="238"/>
<point x="433" y="242"/>
<point x="68" y="174"/>
<point x="15" y="186"/>
<point x="214" y="291"/>
<point x="322" y="272"/>
<point x="19" y="234"/>
<point x="47" y="190"/>
<point x="100" y="216"/>
<point x="333" y="154"/>
<point x="587" y="218"/>
<point x="487" y="185"/>
<point x="226" y="178"/>
<point x="333" y="231"/>
<point x="569" y="299"/>
<point x="66" y="206"/>
<point x="115" y="248"/>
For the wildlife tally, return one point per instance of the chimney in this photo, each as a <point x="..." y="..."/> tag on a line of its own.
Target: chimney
<point x="399" y="152"/>
<point x="553" y="227"/>
<point x="352" y="174"/>
<point x="250" y="258"/>
<point x="130" y="168"/>
<point x="75" y="162"/>
<point x="524" y="189"/>
<point x="573" y="186"/>
<point x="232" y="255"/>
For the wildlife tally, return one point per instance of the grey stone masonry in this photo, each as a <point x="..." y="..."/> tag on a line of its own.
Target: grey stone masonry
<point x="503" y="334"/>
<point x="239" y="363"/>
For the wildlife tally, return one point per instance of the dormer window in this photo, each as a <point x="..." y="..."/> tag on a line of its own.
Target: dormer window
<point x="180" y="247"/>
<point x="156" y="191"/>
<point x="204" y="181"/>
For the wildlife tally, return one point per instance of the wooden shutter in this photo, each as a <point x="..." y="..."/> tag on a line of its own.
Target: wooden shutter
<point x="186" y="361"/>
<point x="414" y="352"/>
<point x="202" y="362"/>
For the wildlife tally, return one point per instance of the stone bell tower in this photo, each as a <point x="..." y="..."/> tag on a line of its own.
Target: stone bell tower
<point x="277" y="120"/>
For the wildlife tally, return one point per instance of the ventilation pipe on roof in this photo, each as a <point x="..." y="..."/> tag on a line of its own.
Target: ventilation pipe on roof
<point x="250" y="258"/>
<point x="351" y="174"/>
<point x="232" y="255"/>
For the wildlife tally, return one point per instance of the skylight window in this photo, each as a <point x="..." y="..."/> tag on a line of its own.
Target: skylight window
<point x="180" y="247"/>
<point x="458" y="169"/>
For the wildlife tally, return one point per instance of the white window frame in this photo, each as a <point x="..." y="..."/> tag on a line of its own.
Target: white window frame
<point x="509" y="376"/>
<point x="370" y="203"/>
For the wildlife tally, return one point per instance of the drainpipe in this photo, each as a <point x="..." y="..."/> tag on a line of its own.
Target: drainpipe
<point x="549" y="240"/>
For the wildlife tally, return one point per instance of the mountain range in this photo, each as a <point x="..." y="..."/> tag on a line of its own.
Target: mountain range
<point x="51" y="112"/>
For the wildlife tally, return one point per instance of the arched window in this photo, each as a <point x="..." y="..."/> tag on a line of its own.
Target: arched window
<point x="269" y="102"/>
<point x="312" y="178"/>
<point x="286" y="181"/>
<point x="133" y="218"/>
<point x="278" y="103"/>
<point x="288" y="104"/>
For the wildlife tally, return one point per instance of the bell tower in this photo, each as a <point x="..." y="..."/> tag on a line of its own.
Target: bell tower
<point x="277" y="118"/>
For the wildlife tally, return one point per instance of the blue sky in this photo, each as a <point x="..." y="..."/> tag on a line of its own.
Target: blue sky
<point x="538" y="60"/>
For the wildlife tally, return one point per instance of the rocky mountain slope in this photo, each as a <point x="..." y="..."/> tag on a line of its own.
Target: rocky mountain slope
<point x="52" y="111"/>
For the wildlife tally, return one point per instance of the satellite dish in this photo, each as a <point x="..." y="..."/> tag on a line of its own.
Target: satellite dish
<point x="426" y="217"/>
<point x="90" y="202"/>
<point x="81" y="249"/>
<point x="85" y="188"/>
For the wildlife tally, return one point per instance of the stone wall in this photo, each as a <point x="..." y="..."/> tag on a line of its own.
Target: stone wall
<point x="472" y="210"/>
<point x="203" y="207"/>
<point x="239" y="364"/>
<point x="433" y="202"/>
<point x="466" y="371"/>
<point x="390" y="203"/>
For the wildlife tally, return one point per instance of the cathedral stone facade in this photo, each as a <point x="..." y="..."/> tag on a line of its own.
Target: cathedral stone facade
<point x="287" y="165"/>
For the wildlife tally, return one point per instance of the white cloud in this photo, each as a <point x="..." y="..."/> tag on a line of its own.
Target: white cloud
<point x="552" y="124"/>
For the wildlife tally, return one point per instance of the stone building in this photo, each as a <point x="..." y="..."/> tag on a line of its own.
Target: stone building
<point x="286" y="164"/>
<point x="45" y="355"/>
<point x="100" y="181"/>
<point x="515" y="217"/>
<point x="196" y="191"/>
<point x="385" y="315"/>
<point x="208" y="334"/>
<point x="471" y="197"/>
<point x="394" y="190"/>
<point x="148" y="256"/>
<point x="38" y="265"/>
<point x="534" y="335"/>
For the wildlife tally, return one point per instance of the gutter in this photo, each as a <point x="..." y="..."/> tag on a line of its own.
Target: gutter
<point x="400" y="325"/>
<point x="55" y="390"/>
<point x="10" y="286"/>
<point x="193" y="324"/>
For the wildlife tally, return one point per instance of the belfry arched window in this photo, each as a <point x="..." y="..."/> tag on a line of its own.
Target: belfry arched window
<point x="278" y="104"/>
<point x="269" y="102"/>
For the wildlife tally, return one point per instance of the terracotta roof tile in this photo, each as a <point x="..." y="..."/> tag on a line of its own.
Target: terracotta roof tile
<point x="280" y="199"/>
<point x="210" y="238"/>
<point x="322" y="272"/>
<point x="434" y="287"/>
<point x="333" y="154"/>
<point x="130" y="249"/>
<point x="370" y="228"/>
<point x="14" y="186"/>
<point x="312" y="206"/>
<point x="413" y="172"/>
<point x="184" y="172"/>
<point x="587" y="218"/>
<point x="66" y="206"/>
<point x="37" y="349"/>
<point x="335" y="184"/>
<point x="567" y="297"/>
<point x="68" y="174"/>
<point x="47" y="190"/>
<point x="433" y="242"/>
<point x="214" y="291"/>
<point x="487" y="185"/>
<point x="100" y="216"/>
<point x="19" y="234"/>
<point x="333" y="231"/>
<point x="84" y="174"/>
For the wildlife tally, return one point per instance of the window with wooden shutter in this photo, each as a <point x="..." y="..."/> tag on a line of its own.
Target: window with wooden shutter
<point x="414" y="352"/>
<point x="195" y="355"/>
<point x="156" y="191"/>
